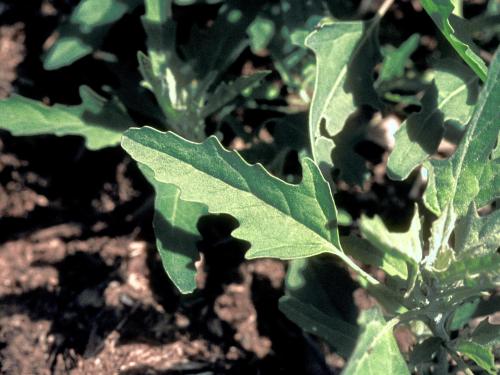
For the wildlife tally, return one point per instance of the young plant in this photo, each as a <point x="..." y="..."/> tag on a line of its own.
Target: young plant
<point x="430" y="285"/>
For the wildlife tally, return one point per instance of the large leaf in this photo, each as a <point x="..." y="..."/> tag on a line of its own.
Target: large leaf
<point x="278" y="219"/>
<point x="318" y="298"/>
<point x="376" y="351"/>
<point x="455" y="30"/>
<point x="450" y="98"/>
<point x="85" y="30"/>
<point x="345" y="55"/>
<point x="175" y="225"/>
<point x="454" y="182"/>
<point x="99" y="121"/>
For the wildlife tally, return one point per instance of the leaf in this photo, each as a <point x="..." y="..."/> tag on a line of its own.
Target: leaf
<point x="471" y="267"/>
<point x="85" y="30"/>
<point x="455" y="30"/>
<point x="226" y="92"/>
<point x="260" y="32"/>
<point x="450" y="98"/>
<point x="463" y="314"/>
<point x="99" y="121"/>
<point x="393" y="66"/>
<point x="376" y="351"/>
<point x="333" y="330"/>
<point x="368" y="254"/>
<point x="477" y="235"/>
<point x="318" y="298"/>
<point x="345" y="55"/>
<point x="454" y="182"/>
<point x="407" y="243"/>
<point x="479" y="354"/>
<point x="486" y="334"/>
<point x="399" y="253"/>
<point x="278" y="219"/>
<point x="175" y="225"/>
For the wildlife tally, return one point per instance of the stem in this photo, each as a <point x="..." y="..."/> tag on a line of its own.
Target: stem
<point x="383" y="9"/>
<point x="362" y="273"/>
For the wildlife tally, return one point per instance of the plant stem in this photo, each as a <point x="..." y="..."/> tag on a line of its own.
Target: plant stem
<point x="383" y="9"/>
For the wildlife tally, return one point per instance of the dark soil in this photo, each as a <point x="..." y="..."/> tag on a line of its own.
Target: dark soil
<point x="83" y="290"/>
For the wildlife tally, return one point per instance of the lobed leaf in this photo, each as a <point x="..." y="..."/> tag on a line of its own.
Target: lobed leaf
<point x="279" y="220"/>
<point x="454" y="182"/>
<point x="99" y="121"/>
<point x="345" y="55"/>
<point x="450" y="98"/>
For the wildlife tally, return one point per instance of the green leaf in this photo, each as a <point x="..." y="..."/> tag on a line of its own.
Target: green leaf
<point x="450" y="98"/>
<point x="260" y="32"/>
<point x="463" y="314"/>
<point x="409" y="243"/>
<point x="85" y="30"/>
<point x="334" y="331"/>
<point x="455" y="30"/>
<point x="454" y="182"/>
<point x="398" y="254"/>
<point x="99" y="121"/>
<point x="226" y="92"/>
<point x="376" y="351"/>
<point x="479" y="354"/>
<point x="477" y="235"/>
<point x="318" y="298"/>
<point x="487" y="334"/>
<point x="368" y="254"/>
<point x="473" y="267"/>
<point x="345" y="55"/>
<point x="175" y="226"/>
<point x="393" y="66"/>
<point x="278" y="219"/>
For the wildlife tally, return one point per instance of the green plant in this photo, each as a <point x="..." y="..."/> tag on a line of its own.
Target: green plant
<point x="431" y="285"/>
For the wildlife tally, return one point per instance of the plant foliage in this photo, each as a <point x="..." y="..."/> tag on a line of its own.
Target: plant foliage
<point x="429" y="278"/>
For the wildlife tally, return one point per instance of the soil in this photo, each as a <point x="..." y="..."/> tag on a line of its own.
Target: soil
<point x="83" y="290"/>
